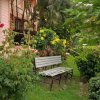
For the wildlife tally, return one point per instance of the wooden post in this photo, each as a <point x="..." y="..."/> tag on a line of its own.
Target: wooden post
<point x="17" y="8"/>
<point x="16" y="16"/>
<point x="12" y="12"/>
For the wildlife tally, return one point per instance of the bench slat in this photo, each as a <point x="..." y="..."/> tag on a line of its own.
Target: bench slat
<point x="47" y="61"/>
<point x="43" y="64"/>
<point x="49" y="57"/>
<point x="55" y="71"/>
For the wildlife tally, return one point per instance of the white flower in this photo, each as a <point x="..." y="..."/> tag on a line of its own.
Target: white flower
<point x="79" y="3"/>
<point x="88" y="5"/>
<point x="84" y="44"/>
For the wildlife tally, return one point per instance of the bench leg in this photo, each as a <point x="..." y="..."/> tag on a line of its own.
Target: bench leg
<point x="60" y="79"/>
<point x="51" y="84"/>
<point x="66" y="76"/>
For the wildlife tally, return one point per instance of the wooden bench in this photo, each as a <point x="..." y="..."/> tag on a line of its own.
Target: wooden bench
<point x="48" y="67"/>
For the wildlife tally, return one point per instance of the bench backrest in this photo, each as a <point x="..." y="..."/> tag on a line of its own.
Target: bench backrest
<point x="47" y="61"/>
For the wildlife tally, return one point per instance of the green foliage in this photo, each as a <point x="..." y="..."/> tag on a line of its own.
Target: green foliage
<point x="97" y="55"/>
<point x="9" y="37"/>
<point x="50" y="12"/>
<point x="88" y="65"/>
<point x="83" y="22"/>
<point x="94" y="88"/>
<point x="16" y="77"/>
<point x="77" y="21"/>
<point x="62" y="32"/>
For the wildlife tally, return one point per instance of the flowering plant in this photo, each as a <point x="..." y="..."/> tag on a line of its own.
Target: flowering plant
<point x="43" y="38"/>
<point x="47" y="39"/>
<point x="59" y="45"/>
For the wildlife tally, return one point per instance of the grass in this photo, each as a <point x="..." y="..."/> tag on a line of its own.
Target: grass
<point x="73" y="90"/>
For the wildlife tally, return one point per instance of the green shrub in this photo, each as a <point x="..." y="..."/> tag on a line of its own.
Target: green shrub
<point x="88" y="65"/>
<point x="94" y="88"/>
<point x="97" y="55"/>
<point x="16" y="77"/>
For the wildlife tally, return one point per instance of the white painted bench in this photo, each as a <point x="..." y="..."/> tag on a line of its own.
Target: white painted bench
<point x="46" y="64"/>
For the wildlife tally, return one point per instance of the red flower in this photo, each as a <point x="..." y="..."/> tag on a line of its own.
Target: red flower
<point x="1" y="25"/>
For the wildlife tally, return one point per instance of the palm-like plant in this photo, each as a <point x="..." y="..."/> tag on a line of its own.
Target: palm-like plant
<point x="51" y="12"/>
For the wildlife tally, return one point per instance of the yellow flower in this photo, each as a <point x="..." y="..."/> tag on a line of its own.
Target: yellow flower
<point x="35" y="41"/>
<point x="53" y="42"/>
<point x="44" y="35"/>
<point x="41" y="31"/>
<point x="42" y="38"/>
<point x="64" y="43"/>
<point x="57" y="39"/>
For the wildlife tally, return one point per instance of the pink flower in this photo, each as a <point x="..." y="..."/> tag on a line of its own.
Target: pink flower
<point x="18" y="48"/>
<point x="34" y="51"/>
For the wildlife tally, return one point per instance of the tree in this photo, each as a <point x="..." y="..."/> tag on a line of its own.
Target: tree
<point x="51" y="15"/>
<point x="83" y="22"/>
<point x="50" y="12"/>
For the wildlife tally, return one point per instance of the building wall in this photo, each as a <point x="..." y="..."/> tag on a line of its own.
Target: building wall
<point x="4" y="17"/>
